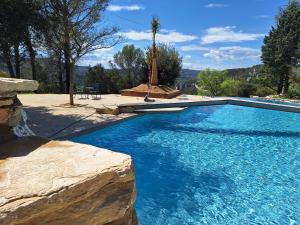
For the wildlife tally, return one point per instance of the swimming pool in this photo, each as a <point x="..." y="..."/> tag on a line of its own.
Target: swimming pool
<point x="272" y="101"/>
<point x="212" y="165"/>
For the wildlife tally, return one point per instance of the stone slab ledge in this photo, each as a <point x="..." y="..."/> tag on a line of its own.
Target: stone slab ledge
<point x="11" y="85"/>
<point x="61" y="182"/>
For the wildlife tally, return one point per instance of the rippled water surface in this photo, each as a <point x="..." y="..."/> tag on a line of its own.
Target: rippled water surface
<point x="212" y="165"/>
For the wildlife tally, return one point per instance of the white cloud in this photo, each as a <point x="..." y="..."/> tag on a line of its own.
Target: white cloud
<point x="227" y="34"/>
<point x="192" y="66"/>
<point x="166" y="36"/>
<point x="233" y="53"/>
<point x="117" y="8"/>
<point x="216" y="5"/>
<point x="100" y="56"/>
<point x="187" y="56"/>
<point x="189" y="48"/>
<point x="262" y="17"/>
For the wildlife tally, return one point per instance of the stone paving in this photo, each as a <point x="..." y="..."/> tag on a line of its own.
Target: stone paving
<point x="50" y="116"/>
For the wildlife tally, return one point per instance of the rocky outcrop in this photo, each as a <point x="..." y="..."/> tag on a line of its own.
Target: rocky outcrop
<point x="58" y="182"/>
<point x="10" y="106"/>
<point x="63" y="183"/>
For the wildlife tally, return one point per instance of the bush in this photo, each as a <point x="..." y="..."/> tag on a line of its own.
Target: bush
<point x="264" y="91"/>
<point x="209" y="82"/>
<point x="246" y="89"/>
<point x="293" y="91"/>
<point x="230" y="87"/>
<point x="3" y="74"/>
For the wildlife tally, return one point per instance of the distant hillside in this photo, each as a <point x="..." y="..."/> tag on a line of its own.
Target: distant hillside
<point x="244" y="73"/>
<point x="187" y="75"/>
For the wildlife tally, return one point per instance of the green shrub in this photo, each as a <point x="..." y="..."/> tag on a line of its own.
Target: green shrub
<point x="264" y="91"/>
<point x="209" y="82"/>
<point x="246" y="89"/>
<point x="3" y="74"/>
<point x="230" y="87"/>
<point x="293" y="91"/>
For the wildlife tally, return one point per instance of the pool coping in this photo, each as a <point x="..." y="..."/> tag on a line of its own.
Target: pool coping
<point x="183" y="104"/>
<point x="213" y="101"/>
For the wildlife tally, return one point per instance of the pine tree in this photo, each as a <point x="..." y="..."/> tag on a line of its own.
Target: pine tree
<point x="280" y="52"/>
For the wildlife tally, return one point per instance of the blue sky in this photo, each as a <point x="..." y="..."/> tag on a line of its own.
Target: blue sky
<point x="218" y="34"/>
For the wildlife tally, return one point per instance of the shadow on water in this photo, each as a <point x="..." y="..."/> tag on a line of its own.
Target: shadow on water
<point x="164" y="182"/>
<point x="289" y="134"/>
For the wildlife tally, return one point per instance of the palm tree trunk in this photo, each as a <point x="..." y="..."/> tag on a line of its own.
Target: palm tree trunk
<point x="154" y="76"/>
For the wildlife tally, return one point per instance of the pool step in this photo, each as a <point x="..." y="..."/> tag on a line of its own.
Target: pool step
<point x="161" y="110"/>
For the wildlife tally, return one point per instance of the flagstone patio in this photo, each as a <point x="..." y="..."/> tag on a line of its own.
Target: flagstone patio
<point x="50" y="116"/>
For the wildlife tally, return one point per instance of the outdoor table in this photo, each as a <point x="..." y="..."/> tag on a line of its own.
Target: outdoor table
<point x="87" y="90"/>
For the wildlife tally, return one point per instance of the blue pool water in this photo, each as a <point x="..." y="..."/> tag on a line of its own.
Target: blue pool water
<point x="212" y="165"/>
<point x="273" y="101"/>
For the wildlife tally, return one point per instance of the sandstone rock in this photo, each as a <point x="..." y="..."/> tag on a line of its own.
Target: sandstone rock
<point x="6" y="102"/>
<point x="113" y="110"/>
<point x="9" y="85"/>
<point x="7" y="95"/>
<point x="11" y="115"/>
<point x="4" y="114"/>
<point x="127" y="109"/>
<point x="63" y="183"/>
<point x="128" y="219"/>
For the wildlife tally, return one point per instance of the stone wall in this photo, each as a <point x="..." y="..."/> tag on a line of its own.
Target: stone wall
<point x="58" y="182"/>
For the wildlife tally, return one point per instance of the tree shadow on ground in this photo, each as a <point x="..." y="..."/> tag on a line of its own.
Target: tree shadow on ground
<point x="21" y="147"/>
<point x="45" y="123"/>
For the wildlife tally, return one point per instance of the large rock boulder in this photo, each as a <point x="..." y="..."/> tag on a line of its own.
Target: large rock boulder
<point x="10" y="106"/>
<point x="64" y="183"/>
<point x="10" y="85"/>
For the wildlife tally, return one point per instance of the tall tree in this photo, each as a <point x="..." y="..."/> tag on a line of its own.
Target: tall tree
<point x="273" y="59"/>
<point x="289" y="28"/>
<point x="5" y="37"/>
<point x="131" y="62"/>
<point x="155" y="25"/>
<point x="108" y="81"/>
<point x="75" y="24"/>
<point x="169" y="64"/>
<point x="280" y="52"/>
<point x="19" y="20"/>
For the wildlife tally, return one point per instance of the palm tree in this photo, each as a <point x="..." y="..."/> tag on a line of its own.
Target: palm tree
<point x="155" y="25"/>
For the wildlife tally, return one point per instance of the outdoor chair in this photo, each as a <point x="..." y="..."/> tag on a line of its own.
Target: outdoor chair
<point x="95" y="92"/>
<point x="81" y="92"/>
